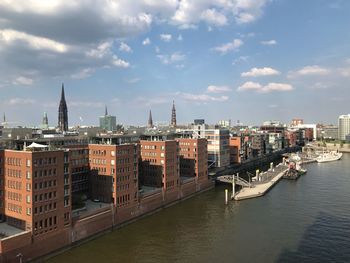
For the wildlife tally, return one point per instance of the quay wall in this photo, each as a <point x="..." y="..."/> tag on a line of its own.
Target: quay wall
<point x="85" y="227"/>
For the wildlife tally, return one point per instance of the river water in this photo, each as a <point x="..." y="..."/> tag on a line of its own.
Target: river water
<point x="297" y="221"/>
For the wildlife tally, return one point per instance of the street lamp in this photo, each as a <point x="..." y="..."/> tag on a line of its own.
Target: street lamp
<point x="20" y="256"/>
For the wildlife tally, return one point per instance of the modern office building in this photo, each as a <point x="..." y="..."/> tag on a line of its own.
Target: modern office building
<point x="343" y="126"/>
<point x="108" y="122"/>
<point x="218" y="144"/>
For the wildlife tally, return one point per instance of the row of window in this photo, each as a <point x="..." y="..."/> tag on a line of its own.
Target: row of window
<point x="18" y="209"/>
<point x="123" y="199"/>
<point x="45" y="196"/>
<point x="13" y="161"/>
<point x="44" y="161"/>
<point x="14" y="184"/>
<point x="45" y="172"/>
<point x="45" y="223"/>
<point x="123" y="187"/>
<point x="45" y="208"/>
<point x="45" y="184"/>
<point x="17" y="197"/>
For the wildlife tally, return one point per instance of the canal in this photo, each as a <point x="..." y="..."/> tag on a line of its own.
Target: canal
<point x="297" y="221"/>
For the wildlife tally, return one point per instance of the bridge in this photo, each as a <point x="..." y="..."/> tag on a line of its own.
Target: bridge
<point x="233" y="179"/>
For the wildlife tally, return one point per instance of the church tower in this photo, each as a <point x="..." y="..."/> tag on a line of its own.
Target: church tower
<point x="173" y="116"/>
<point x="150" y="121"/>
<point x="63" y="113"/>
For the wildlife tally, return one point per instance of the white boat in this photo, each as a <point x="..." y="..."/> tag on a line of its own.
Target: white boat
<point x="329" y="157"/>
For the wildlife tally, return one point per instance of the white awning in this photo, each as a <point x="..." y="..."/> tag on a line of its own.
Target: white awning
<point x="37" y="145"/>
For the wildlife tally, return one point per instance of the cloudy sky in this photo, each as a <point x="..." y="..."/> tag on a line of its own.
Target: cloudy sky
<point x="247" y="60"/>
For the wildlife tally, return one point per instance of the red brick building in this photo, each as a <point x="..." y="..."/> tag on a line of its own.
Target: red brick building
<point x="121" y="163"/>
<point x="33" y="198"/>
<point x="160" y="164"/>
<point x="235" y="149"/>
<point x="193" y="155"/>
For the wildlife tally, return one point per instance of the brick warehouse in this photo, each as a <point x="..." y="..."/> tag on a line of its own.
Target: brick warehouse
<point x="37" y="185"/>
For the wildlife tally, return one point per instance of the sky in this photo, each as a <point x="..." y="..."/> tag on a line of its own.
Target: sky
<point x="246" y="60"/>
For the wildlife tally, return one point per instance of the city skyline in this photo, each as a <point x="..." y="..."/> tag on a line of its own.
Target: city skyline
<point x="238" y="60"/>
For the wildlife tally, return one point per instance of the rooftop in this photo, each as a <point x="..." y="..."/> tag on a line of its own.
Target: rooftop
<point x="6" y="230"/>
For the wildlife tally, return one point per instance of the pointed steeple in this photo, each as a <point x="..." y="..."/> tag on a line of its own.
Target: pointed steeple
<point x="45" y="119"/>
<point x="173" y="116"/>
<point x="106" y="111"/>
<point x="63" y="113"/>
<point x="62" y="93"/>
<point x="4" y="118"/>
<point x="150" y="121"/>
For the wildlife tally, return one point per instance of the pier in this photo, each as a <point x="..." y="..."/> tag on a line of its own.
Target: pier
<point x="258" y="186"/>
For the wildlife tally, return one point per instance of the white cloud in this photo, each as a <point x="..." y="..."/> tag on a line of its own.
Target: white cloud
<point x="217" y="12"/>
<point x="21" y="80"/>
<point x="270" y="87"/>
<point x="146" y="41"/>
<point x="203" y="97"/>
<point x="172" y="58"/>
<point x="44" y="39"/>
<point x="271" y="42"/>
<point x="101" y="50"/>
<point x="119" y="62"/>
<point x="249" y="85"/>
<point x="257" y="72"/>
<point x="21" y="101"/>
<point x="234" y="45"/>
<point x="124" y="47"/>
<point x="313" y="70"/>
<point x="9" y="36"/>
<point x="212" y="16"/>
<point x="165" y="37"/>
<point x="218" y="89"/>
<point x="239" y="59"/>
<point x="277" y="87"/>
<point x="82" y="74"/>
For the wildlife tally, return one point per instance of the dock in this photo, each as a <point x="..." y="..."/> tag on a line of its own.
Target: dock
<point x="259" y="185"/>
<point x="260" y="188"/>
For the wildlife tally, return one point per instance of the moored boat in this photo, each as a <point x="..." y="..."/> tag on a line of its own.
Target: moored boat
<point x="329" y="157"/>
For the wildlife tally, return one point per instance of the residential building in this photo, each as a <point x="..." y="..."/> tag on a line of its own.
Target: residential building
<point x="344" y="126"/>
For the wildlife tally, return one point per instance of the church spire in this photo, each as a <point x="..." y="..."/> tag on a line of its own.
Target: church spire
<point x="150" y="121"/>
<point x="106" y="111"/>
<point x="62" y="93"/>
<point x="173" y="116"/>
<point x="63" y="113"/>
